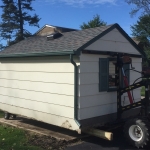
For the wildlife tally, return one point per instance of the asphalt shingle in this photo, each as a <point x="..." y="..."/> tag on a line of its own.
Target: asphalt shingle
<point x="69" y="41"/>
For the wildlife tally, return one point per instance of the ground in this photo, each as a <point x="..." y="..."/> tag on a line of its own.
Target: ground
<point x="38" y="134"/>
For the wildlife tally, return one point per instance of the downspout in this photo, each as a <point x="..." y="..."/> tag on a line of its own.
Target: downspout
<point x="75" y="91"/>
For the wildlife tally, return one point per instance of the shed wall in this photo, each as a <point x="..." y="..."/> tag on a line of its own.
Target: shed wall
<point x="41" y="88"/>
<point x="113" y="41"/>
<point x="93" y="103"/>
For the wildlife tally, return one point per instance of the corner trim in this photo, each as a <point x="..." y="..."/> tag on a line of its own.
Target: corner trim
<point x="75" y="91"/>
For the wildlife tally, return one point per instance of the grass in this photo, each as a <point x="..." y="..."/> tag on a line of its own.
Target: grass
<point x="14" y="139"/>
<point x="143" y="91"/>
<point x="1" y="114"/>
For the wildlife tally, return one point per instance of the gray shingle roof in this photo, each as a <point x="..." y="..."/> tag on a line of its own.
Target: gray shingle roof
<point x="68" y="42"/>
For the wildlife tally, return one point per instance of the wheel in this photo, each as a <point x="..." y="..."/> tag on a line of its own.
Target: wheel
<point x="13" y="116"/>
<point x="7" y="115"/>
<point x="137" y="132"/>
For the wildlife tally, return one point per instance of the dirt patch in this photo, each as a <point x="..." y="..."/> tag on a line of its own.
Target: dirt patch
<point x="49" y="143"/>
<point x="45" y="136"/>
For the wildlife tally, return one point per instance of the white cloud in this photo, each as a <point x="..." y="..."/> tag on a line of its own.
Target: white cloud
<point x="82" y="2"/>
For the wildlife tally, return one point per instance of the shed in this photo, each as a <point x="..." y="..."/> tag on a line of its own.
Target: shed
<point x="67" y="80"/>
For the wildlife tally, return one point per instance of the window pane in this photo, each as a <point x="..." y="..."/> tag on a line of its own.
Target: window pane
<point x="112" y="80"/>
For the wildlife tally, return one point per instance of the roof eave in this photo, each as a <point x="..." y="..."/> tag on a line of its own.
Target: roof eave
<point x="107" y="31"/>
<point x="37" y="54"/>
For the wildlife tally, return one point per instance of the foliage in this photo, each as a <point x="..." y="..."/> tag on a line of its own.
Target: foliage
<point x="143" y="5"/>
<point x="1" y="114"/>
<point x="14" y="16"/>
<point x="141" y="30"/>
<point x="143" y="91"/>
<point x="95" y="22"/>
<point x="14" y="139"/>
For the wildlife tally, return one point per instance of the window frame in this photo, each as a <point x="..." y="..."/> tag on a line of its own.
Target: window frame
<point x="107" y="60"/>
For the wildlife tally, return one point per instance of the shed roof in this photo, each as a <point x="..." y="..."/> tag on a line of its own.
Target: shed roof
<point x="69" y="43"/>
<point x="55" y="28"/>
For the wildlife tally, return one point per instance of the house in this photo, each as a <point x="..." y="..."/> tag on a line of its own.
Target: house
<point x="67" y="79"/>
<point x="49" y="29"/>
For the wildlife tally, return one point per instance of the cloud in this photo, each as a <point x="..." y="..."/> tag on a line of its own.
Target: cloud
<point x="82" y="2"/>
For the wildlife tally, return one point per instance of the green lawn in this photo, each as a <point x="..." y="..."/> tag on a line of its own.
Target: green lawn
<point x="1" y="114"/>
<point x="143" y="91"/>
<point x="14" y="139"/>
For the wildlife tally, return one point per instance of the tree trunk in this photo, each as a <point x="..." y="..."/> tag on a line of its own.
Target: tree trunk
<point x="20" y="21"/>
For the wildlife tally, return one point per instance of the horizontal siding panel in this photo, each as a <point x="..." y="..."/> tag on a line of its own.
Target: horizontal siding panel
<point x="115" y="35"/>
<point x="67" y="78"/>
<point x="136" y="96"/>
<point x="97" y="100"/>
<point x="90" y="78"/>
<point x="91" y="57"/>
<point x="37" y="67"/>
<point x="136" y="60"/>
<point x="92" y="67"/>
<point x="44" y="117"/>
<point x="134" y="76"/>
<point x="38" y="106"/>
<point x="55" y="99"/>
<point x="114" y="46"/>
<point x="89" y="90"/>
<point x="97" y="111"/>
<point x="64" y="89"/>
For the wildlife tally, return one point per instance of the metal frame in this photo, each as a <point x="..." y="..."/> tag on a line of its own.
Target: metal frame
<point x="144" y="102"/>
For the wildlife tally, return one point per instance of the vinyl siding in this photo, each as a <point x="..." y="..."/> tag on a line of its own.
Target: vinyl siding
<point x="40" y="85"/>
<point x="113" y="41"/>
<point x="93" y="103"/>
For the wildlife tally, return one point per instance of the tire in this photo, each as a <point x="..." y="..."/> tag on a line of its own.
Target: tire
<point x="13" y="116"/>
<point x="137" y="131"/>
<point x="6" y="115"/>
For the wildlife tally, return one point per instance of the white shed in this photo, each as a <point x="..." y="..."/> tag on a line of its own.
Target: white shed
<point x="67" y="79"/>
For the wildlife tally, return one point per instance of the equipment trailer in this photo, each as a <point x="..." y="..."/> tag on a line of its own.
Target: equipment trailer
<point x="137" y="128"/>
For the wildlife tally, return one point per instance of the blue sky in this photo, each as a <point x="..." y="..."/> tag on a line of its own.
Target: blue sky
<point x="72" y="13"/>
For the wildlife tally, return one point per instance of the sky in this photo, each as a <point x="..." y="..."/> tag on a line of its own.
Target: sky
<point x="72" y="13"/>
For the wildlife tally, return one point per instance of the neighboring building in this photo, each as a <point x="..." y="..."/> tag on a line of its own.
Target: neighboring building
<point x="49" y="29"/>
<point x="139" y="43"/>
<point x="67" y="79"/>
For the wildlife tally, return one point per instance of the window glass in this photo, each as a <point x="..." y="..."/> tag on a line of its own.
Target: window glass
<point x="112" y="75"/>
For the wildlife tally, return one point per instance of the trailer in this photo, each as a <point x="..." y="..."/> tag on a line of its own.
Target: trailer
<point x="78" y="80"/>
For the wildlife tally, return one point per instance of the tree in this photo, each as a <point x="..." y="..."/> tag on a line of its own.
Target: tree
<point x="15" y="15"/>
<point x="95" y="22"/>
<point x="141" y="30"/>
<point x="143" y="5"/>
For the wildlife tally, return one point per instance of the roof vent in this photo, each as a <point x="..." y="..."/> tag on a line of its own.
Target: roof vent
<point x="54" y="36"/>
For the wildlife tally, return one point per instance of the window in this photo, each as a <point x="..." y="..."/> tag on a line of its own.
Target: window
<point x="107" y="74"/>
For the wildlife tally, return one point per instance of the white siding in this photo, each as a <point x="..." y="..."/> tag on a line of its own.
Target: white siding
<point x="137" y="64"/>
<point x="113" y="41"/>
<point x="93" y="103"/>
<point x="42" y="86"/>
<point x="45" y="117"/>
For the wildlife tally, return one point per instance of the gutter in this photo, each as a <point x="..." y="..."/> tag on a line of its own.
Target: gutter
<point x="40" y="54"/>
<point x="75" y="90"/>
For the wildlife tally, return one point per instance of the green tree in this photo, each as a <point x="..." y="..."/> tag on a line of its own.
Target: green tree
<point x="95" y="22"/>
<point x="143" y="5"/>
<point x="141" y="30"/>
<point x="15" y="15"/>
